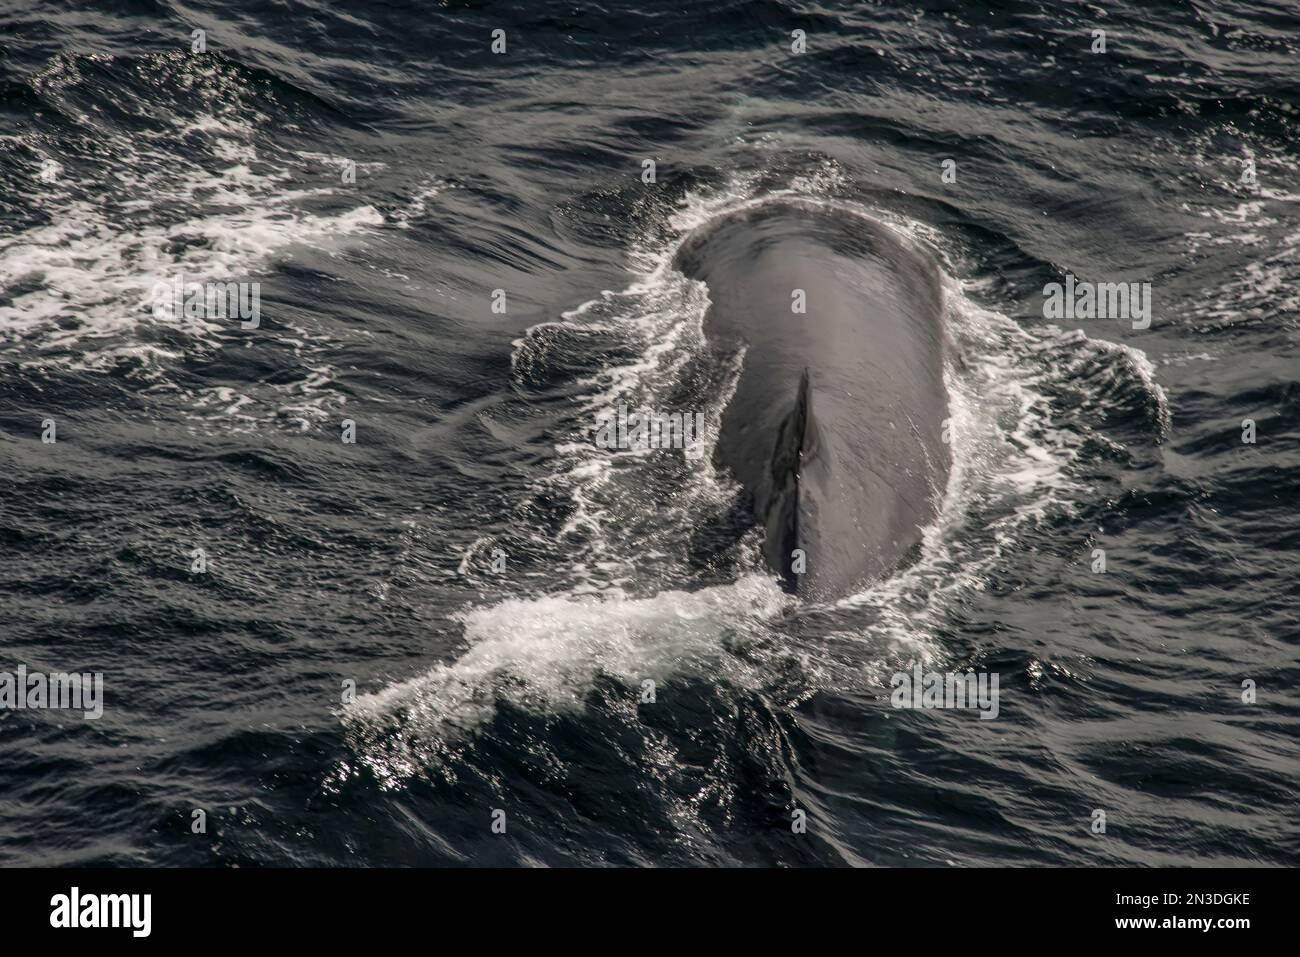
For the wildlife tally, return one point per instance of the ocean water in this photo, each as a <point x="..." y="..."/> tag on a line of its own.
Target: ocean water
<point x="381" y="174"/>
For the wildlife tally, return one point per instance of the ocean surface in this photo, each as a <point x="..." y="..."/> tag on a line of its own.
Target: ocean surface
<point x="495" y="587"/>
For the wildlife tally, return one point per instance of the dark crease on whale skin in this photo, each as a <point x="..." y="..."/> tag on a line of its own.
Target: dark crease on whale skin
<point x="835" y="427"/>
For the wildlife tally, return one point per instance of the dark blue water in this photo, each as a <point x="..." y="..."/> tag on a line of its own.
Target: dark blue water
<point x="127" y="158"/>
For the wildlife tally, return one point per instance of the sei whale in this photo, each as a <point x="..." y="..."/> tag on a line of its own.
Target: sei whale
<point x="836" y="430"/>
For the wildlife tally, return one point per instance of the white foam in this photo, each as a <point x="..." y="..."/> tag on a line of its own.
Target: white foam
<point x="88" y="273"/>
<point x="1266" y="288"/>
<point x="546" y="654"/>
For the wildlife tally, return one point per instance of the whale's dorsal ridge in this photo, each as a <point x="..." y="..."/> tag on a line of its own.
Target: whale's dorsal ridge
<point x="809" y="445"/>
<point x="796" y="441"/>
<point x="798" y="470"/>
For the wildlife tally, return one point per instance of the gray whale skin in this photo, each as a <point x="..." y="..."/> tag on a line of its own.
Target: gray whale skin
<point x="835" y="430"/>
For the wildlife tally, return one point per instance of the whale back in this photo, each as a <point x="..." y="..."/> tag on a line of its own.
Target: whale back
<point x="835" y="429"/>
